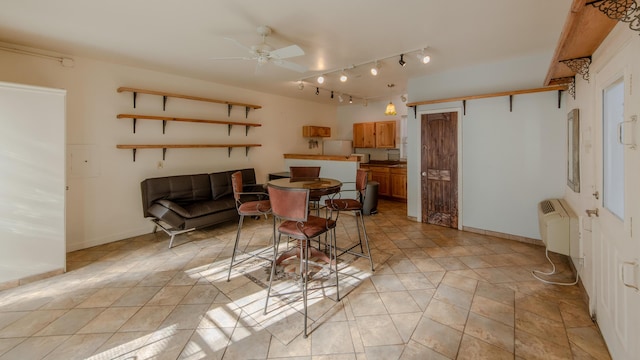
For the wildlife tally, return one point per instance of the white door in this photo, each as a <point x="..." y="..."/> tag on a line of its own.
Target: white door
<point x="615" y="235"/>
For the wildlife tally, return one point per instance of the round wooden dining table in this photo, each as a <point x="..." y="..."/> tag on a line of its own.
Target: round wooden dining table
<point x="317" y="187"/>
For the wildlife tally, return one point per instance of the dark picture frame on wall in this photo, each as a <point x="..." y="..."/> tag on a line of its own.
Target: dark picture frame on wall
<point x="573" y="150"/>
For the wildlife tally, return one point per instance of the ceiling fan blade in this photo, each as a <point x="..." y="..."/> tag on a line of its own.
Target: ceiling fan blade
<point x="290" y="65"/>
<point x="233" y="58"/>
<point x="239" y="44"/>
<point x="287" y="52"/>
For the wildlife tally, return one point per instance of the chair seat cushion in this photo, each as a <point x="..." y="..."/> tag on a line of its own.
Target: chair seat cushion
<point x="255" y="208"/>
<point x="343" y="204"/>
<point x="314" y="226"/>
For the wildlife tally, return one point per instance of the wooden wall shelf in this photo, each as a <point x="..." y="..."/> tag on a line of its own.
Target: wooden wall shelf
<point x="482" y="96"/>
<point x="164" y="147"/>
<point x="166" y="95"/>
<point x="164" y="120"/>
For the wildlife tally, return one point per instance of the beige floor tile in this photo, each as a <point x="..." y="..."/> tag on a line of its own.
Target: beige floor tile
<point x="378" y="330"/>
<point x="201" y="294"/>
<point x="31" y="323"/>
<point x="120" y="344"/>
<point x="385" y="283"/>
<point x="78" y="347"/>
<point x="147" y="318"/>
<point x="384" y="352"/>
<point x="103" y="298"/>
<point x="367" y="304"/>
<point x="536" y="348"/>
<point x="299" y="347"/>
<point x="416" y="351"/>
<point x="494" y="310"/>
<point x="460" y="282"/>
<point x="70" y="322"/>
<point x="185" y="316"/>
<point x="540" y="326"/>
<point x="454" y="296"/>
<point x="497" y="293"/>
<point x="34" y="347"/>
<point x="422" y="297"/>
<point x="406" y="324"/>
<point x="490" y="331"/>
<point x="399" y="302"/>
<point x="472" y="348"/>
<point x="8" y="344"/>
<point x="331" y="338"/>
<point x="437" y="337"/>
<point x="169" y="295"/>
<point x="137" y="296"/>
<point x="447" y="314"/>
<point x="109" y="321"/>
<point x="589" y="340"/>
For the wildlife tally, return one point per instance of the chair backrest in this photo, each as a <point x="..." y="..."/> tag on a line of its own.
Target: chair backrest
<point x="304" y="171"/>
<point x="236" y="185"/>
<point x="289" y="204"/>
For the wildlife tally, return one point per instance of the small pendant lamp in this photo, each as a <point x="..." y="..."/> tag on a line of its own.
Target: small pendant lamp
<point x="391" y="109"/>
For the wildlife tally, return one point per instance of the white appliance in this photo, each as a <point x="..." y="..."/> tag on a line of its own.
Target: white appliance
<point x="337" y="147"/>
<point x="559" y="227"/>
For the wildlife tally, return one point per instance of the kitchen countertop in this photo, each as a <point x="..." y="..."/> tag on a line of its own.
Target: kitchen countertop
<point x="321" y="157"/>
<point x="387" y="163"/>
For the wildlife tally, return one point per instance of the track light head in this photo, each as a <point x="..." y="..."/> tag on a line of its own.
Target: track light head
<point x="350" y="99"/>
<point x="332" y="94"/>
<point x="375" y="69"/>
<point x="317" y="91"/>
<point x="340" y="98"/>
<point x="300" y="85"/>
<point x="320" y="79"/>
<point x="401" y="61"/>
<point x="343" y="77"/>
<point x="423" y="58"/>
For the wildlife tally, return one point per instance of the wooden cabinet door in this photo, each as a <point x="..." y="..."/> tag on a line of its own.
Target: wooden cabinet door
<point x="364" y="135"/>
<point x="398" y="184"/>
<point x="385" y="134"/>
<point x="316" y="131"/>
<point x="382" y="177"/>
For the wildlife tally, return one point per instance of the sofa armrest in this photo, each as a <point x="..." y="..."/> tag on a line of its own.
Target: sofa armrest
<point x="166" y="215"/>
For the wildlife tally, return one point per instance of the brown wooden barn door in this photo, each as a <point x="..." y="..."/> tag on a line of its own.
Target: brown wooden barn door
<point x="439" y="169"/>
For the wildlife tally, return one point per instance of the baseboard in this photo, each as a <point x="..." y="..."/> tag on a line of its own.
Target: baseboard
<point x="29" y="279"/>
<point x="522" y="239"/>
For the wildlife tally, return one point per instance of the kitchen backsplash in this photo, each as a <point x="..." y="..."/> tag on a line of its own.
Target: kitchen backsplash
<point x="380" y="154"/>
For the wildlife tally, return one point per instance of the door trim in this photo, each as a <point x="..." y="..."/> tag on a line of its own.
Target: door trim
<point x="418" y="140"/>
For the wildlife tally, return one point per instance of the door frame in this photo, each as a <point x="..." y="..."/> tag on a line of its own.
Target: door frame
<point x="418" y="139"/>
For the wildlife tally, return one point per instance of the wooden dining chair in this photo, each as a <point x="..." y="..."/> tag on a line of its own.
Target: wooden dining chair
<point x="254" y="204"/>
<point x="353" y="202"/>
<point x="291" y="207"/>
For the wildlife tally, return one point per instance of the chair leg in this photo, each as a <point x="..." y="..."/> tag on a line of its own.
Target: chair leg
<point x="276" y="244"/>
<point x="304" y="262"/>
<point x="366" y="238"/>
<point x="235" y="246"/>
<point x="334" y="247"/>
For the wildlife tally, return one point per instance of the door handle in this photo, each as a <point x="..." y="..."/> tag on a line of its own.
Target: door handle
<point x="633" y="265"/>
<point x="424" y="173"/>
<point x="592" y="212"/>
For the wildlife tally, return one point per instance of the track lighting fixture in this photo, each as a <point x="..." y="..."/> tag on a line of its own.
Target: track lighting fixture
<point x="401" y="61"/>
<point x="423" y="58"/>
<point x="320" y="79"/>
<point x="300" y="85"/>
<point x="375" y="68"/>
<point x="350" y="99"/>
<point x="343" y="77"/>
<point x="340" y="98"/>
<point x="317" y="91"/>
<point x="332" y="94"/>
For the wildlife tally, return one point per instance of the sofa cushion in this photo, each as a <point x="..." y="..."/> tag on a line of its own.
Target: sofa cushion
<point x="199" y="208"/>
<point x="220" y="184"/>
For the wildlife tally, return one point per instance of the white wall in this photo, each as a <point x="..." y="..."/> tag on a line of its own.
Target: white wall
<point x="103" y="201"/>
<point x="510" y="160"/>
<point x="32" y="223"/>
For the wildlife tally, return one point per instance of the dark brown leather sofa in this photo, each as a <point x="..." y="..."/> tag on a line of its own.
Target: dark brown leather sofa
<point x="178" y="204"/>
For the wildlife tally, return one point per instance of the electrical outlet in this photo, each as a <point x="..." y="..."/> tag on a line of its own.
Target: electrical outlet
<point x="160" y="164"/>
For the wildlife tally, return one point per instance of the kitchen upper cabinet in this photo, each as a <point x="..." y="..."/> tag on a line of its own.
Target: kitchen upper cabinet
<point x="364" y="135"/>
<point x="386" y="134"/>
<point x="381" y="134"/>
<point x="316" y="131"/>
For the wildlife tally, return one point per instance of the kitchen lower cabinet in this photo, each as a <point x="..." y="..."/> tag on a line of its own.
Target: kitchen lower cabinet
<point x="398" y="179"/>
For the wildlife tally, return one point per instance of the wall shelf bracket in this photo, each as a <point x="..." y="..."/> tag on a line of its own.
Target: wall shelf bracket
<point x="415" y="111"/>
<point x="246" y="130"/>
<point x="164" y="102"/>
<point x="559" y="98"/>
<point x="164" y="153"/>
<point x="246" y="112"/>
<point x="246" y="151"/>
<point x="135" y="94"/>
<point x="164" y="125"/>
<point x="464" y="107"/>
<point x="229" y="126"/>
<point x="579" y="66"/>
<point x="510" y="103"/>
<point x="134" y="154"/>
<point x="229" y="151"/>
<point x="625" y="11"/>
<point x="229" y="106"/>
<point x="134" y="125"/>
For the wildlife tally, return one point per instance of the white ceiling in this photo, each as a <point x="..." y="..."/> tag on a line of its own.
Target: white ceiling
<point x="182" y="36"/>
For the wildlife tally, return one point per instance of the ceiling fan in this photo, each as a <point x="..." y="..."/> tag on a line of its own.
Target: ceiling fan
<point x="263" y="53"/>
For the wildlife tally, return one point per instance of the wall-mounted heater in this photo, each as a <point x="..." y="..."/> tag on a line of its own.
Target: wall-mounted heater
<point x="559" y="231"/>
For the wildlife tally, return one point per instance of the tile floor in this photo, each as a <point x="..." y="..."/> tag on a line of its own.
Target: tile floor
<point x="436" y="293"/>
